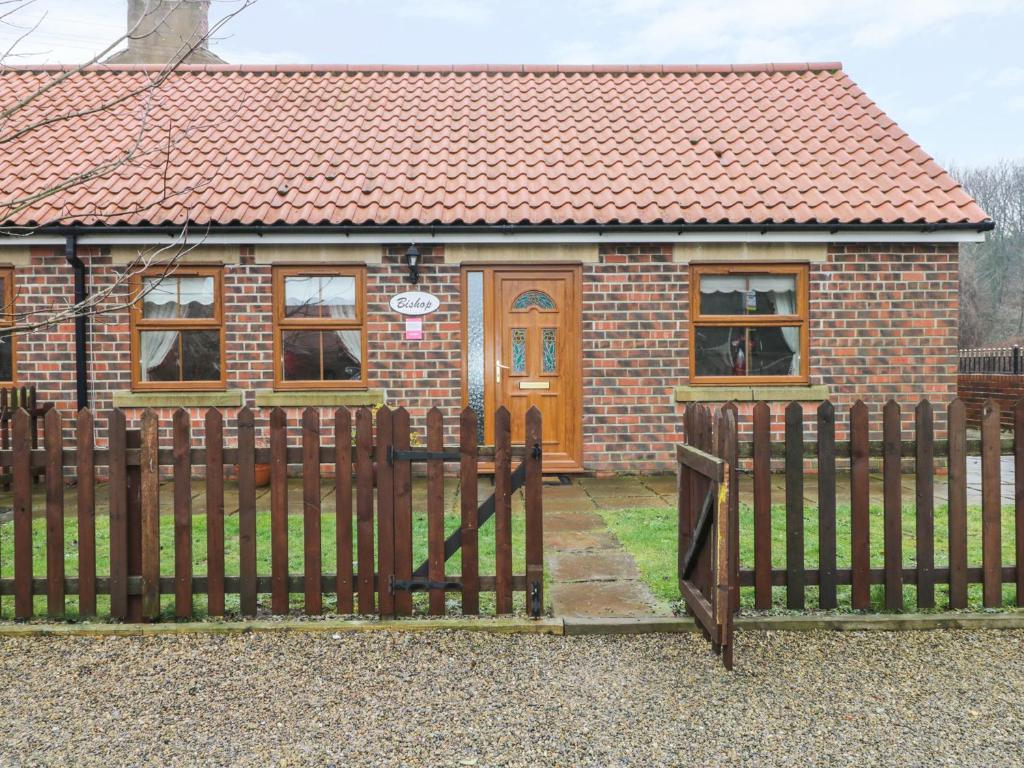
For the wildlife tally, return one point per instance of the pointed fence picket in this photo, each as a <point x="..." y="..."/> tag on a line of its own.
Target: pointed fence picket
<point x="852" y="462"/>
<point x="371" y="471"/>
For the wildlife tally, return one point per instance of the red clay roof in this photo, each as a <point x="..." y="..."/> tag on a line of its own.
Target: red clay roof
<point x="760" y="144"/>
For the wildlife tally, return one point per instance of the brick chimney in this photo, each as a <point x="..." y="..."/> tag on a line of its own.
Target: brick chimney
<point x="161" y="31"/>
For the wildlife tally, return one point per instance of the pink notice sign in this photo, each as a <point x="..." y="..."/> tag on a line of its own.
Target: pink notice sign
<point x="413" y="328"/>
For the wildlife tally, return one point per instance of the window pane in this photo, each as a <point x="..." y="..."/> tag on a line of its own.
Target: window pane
<point x="720" y="352"/>
<point x="775" y="351"/>
<point x="518" y="350"/>
<point x="158" y="359"/>
<point x="196" y="295"/>
<point x="302" y="297"/>
<point x="753" y="294"/>
<point x="550" y="350"/>
<point x="160" y="297"/>
<point x="300" y="355"/>
<point x="342" y="353"/>
<point x="6" y="358"/>
<point x="338" y="295"/>
<point x="200" y="356"/>
<point x="475" y="350"/>
<point x="747" y="351"/>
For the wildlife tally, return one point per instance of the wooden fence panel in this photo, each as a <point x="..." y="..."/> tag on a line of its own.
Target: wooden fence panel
<point x="468" y="493"/>
<point x="503" y="511"/>
<point x="311" y="547"/>
<point x="762" y="507"/>
<point x="53" y="440"/>
<point x="182" y="514"/>
<point x="118" y="492"/>
<point x="957" y="458"/>
<point x="795" y="576"/>
<point x="21" y="472"/>
<point x="403" y="513"/>
<point x="247" y="511"/>
<point x="991" y="507"/>
<point x="860" y="521"/>
<point x="214" y="429"/>
<point x="279" y="596"/>
<point x="892" y="494"/>
<point x="534" y="512"/>
<point x="924" y="479"/>
<point x="343" y="508"/>
<point x="827" y="506"/>
<point x="85" y="487"/>
<point x="1018" y="496"/>
<point x="150" y="514"/>
<point x="364" y="507"/>
<point x="435" y="510"/>
<point x="385" y="510"/>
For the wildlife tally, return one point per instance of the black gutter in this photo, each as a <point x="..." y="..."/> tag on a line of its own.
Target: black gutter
<point x="81" y="322"/>
<point x="198" y="231"/>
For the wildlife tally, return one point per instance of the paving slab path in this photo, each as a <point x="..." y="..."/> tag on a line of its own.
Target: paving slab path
<point x="591" y="573"/>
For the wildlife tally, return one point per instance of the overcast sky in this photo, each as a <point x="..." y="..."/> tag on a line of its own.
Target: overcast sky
<point x="951" y="72"/>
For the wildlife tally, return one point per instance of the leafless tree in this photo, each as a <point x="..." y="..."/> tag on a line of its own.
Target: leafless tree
<point x="26" y="114"/>
<point x="992" y="272"/>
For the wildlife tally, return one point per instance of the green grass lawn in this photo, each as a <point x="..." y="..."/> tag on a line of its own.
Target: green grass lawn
<point x="295" y="558"/>
<point x="650" y="535"/>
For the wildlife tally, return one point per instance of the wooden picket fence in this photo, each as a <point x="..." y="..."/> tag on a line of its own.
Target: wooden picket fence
<point x="992" y="573"/>
<point x="11" y="399"/>
<point x="378" y="471"/>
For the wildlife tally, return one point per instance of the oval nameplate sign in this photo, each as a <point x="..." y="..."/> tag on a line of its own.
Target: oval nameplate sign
<point x="414" y="303"/>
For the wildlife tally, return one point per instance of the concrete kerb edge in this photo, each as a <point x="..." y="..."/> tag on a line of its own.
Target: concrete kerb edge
<point x="570" y="626"/>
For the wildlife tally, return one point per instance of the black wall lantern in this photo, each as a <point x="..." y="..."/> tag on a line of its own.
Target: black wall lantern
<point x="412" y="259"/>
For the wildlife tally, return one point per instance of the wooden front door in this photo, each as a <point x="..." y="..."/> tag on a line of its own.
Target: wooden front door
<point x="532" y="339"/>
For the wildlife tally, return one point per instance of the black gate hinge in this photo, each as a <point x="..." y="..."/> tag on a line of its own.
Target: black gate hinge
<point x="420" y="585"/>
<point x="393" y="455"/>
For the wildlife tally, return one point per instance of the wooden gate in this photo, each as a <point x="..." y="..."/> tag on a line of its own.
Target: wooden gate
<point x="707" y="532"/>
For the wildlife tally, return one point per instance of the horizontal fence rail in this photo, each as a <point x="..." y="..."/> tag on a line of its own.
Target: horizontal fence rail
<point x="909" y="555"/>
<point x="374" y="513"/>
<point x="992" y="360"/>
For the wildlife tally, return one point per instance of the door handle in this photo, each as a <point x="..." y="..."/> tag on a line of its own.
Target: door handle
<point x="497" y="370"/>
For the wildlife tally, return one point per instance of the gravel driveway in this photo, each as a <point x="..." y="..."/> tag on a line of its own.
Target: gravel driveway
<point x="446" y="698"/>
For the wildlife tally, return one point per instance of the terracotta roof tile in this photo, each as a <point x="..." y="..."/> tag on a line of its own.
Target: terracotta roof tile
<point x="301" y="144"/>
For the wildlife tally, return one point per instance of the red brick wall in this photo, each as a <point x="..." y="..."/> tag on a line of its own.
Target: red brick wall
<point x="883" y="324"/>
<point x="975" y="388"/>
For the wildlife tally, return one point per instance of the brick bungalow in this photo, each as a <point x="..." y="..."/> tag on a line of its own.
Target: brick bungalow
<point x="607" y="243"/>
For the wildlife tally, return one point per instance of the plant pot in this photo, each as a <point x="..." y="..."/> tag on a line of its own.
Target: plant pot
<point x="262" y="475"/>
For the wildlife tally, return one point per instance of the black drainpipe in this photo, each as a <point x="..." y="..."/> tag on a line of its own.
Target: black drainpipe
<point x="81" y="323"/>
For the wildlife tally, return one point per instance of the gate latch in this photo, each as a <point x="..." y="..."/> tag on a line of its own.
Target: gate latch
<point x="535" y="599"/>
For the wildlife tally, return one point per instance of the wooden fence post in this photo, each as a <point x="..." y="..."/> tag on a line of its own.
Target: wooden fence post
<point x="403" y="512"/>
<point x="860" y="520"/>
<point x="385" y="510"/>
<point x="313" y="570"/>
<point x="182" y="452"/>
<point x="53" y="441"/>
<point x="826" y="506"/>
<point x="21" y="469"/>
<point x="279" y="592"/>
<point x="1018" y="483"/>
<point x="149" y="460"/>
<point x="215" y="512"/>
<point x="503" y="511"/>
<point x="924" y="471"/>
<point x="435" y="510"/>
<point x="957" y="457"/>
<point x="343" y="507"/>
<point x="364" y="507"/>
<point x="795" y="574"/>
<point x="86" y="512"/>
<point x="468" y="498"/>
<point x="892" y="505"/>
<point x="247" y="511"/>
<point x="534" y="512"/>
<point x="730" y="450"/>
<point x="117" y="443"/>
<point x="133" y="524"/>
<point x="762" y="507"/>
<point x="991" y="507"/>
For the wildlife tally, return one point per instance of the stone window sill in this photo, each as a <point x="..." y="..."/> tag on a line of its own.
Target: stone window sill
<point x="768" y="393"/>
<point x="231" y="398"/>
<point x="321" y="397"/>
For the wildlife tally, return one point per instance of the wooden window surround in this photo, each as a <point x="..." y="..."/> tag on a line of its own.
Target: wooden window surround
<point x="752" y="327"/>
<point x="186" y="301"/>
<point x="8" y="341"/>
<point x="319" y="327"/>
